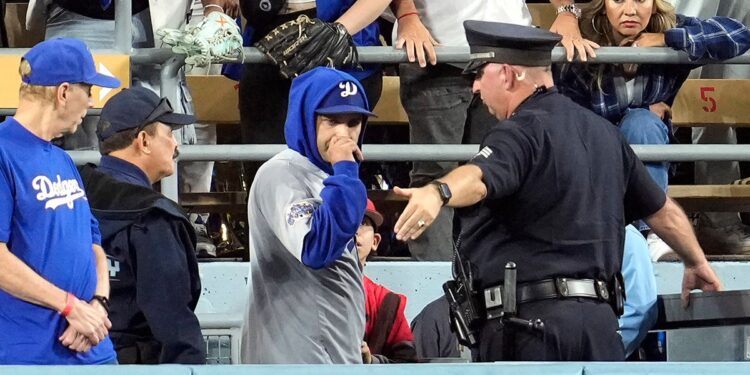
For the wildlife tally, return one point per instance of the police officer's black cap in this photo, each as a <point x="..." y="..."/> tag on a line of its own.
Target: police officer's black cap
<point x="496" y="42"/>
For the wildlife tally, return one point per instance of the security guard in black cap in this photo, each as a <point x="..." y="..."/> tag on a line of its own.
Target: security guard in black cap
<point x="546" y="201"/>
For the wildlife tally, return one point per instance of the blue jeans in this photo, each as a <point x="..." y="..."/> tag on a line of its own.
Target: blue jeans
<point x="643" y="127"/>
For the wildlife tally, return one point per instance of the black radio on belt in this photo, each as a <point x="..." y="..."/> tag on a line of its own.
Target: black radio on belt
<point x="465" y="313"/>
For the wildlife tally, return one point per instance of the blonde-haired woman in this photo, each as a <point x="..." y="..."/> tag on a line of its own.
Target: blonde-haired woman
<point x="637" y="98"/>
<point x="602" y="22"/>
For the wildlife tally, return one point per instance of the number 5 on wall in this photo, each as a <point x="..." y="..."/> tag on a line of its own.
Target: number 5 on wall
<point x="705" y="96"/>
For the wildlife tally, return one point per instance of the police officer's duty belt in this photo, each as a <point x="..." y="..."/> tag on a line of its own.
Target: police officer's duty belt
<point x="561" y="287"/>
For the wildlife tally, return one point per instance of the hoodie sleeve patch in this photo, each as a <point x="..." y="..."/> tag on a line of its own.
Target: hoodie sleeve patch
<point x="300" y="211"/>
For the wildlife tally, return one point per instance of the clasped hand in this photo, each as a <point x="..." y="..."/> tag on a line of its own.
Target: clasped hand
<point x="88" y="325"/>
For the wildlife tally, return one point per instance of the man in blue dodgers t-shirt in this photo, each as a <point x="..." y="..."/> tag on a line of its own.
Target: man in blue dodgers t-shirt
<point x="53" y="271"/>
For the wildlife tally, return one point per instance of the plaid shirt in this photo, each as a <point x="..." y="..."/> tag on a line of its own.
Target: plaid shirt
<point x="717" y="38"/>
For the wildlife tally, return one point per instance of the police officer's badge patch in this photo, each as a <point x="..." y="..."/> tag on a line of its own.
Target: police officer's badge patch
<point x="299" y="211"/>
<point x="485" y="153"/>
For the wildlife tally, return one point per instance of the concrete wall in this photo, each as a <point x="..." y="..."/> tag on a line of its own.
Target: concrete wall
<point x="225" y="284"/>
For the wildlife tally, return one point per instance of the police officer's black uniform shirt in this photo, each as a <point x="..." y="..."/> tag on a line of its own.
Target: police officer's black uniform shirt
<point x="561" y="186"/>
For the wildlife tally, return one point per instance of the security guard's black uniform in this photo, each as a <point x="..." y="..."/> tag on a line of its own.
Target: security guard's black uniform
<point x="561" y="186"/>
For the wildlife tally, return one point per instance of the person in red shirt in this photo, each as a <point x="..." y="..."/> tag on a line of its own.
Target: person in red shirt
<point x="388" y="338"/>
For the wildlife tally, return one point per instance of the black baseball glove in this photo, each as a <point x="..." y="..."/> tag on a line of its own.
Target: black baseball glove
<point x="303" y="44"/>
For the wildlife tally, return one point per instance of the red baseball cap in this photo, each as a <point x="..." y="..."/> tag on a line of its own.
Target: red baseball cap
<point x="373" y="213"/>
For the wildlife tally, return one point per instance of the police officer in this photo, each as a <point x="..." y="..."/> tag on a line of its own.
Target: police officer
<point x="551" y="190"/>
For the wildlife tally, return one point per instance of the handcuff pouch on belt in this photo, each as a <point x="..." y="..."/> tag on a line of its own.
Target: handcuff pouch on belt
<point x="618" y="289"/>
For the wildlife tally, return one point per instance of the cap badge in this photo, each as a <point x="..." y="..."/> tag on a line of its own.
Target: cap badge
<point x="348" y="88"/>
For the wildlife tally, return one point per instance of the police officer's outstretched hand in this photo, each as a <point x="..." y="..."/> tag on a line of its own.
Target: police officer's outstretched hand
<point x="421" y="211"/>
<point x="700" y="276"/>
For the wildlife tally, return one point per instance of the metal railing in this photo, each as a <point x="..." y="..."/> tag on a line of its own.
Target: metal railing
<point x="416" y="152"/>
<point x="409" y="152"/>
<point x="171" y="64"/>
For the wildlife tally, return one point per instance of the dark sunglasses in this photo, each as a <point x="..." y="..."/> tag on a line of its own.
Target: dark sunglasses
<point x="161" y="109"/>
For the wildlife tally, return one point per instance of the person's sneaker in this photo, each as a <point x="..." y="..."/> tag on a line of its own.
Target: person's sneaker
<point x="204" y="247"/>
<point x="658" y="249"/>
<point x="727" y="240"/>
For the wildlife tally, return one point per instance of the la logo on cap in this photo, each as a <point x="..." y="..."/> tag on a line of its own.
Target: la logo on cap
<point x="348" y="88"/>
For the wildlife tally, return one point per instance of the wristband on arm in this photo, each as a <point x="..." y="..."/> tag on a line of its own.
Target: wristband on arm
<point x="69" y="300"/>
<point x="407" y="14"/>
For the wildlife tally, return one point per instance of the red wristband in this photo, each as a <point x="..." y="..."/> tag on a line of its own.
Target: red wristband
<point x="69" y="299"/>
<point x="408" y="14"/>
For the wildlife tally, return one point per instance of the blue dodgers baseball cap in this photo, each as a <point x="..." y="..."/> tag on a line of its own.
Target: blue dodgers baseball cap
<point x="346" y="97"/>
<point x="135" y="108"/>
<point x="61" y="60"/>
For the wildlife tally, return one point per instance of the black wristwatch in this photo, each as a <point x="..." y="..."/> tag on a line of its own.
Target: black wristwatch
<point x="443" y="190"/>
<point x="104" y="301"/>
